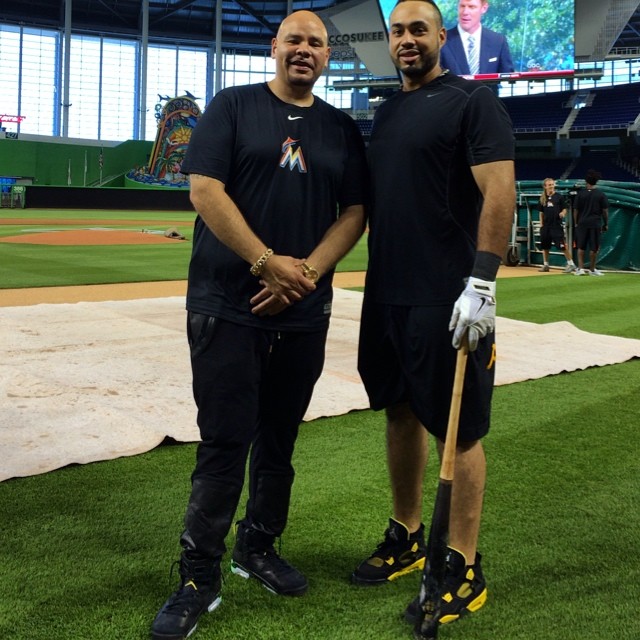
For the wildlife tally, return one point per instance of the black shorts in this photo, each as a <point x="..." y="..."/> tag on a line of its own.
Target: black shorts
<point x="588" y="238"/>
<point x="552" y="234"/>
<point x="405" y="355"/>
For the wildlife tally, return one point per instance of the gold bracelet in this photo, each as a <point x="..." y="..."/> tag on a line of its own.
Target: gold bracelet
<point x="257" y="268"/>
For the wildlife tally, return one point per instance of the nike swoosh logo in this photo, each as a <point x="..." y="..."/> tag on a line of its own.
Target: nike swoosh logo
<point x="295" y="117"/>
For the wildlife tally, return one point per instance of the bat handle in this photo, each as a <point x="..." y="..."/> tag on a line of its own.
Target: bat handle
<point x="449" y="452"/>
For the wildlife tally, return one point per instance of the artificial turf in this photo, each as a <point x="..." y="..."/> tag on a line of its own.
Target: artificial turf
<point x="37" y="265"/>
<point x="87" y="549"/>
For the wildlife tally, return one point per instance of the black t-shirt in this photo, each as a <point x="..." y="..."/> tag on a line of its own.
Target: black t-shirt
<point x="550" y="207"/>
<point x="590" y="203"/>
<point x="426" y="204"/>
<point x="288" y="169"/>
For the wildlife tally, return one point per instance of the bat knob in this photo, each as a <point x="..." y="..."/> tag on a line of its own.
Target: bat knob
<point x="426" y="631"/>
<point x="426" y="627"/>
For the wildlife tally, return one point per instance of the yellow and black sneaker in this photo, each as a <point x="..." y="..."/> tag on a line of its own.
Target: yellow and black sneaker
<point x="465" y="590"/>
<point x="399" y="553"/>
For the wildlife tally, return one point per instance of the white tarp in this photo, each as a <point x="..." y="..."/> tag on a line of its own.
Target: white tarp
<point x="97" y="380"/>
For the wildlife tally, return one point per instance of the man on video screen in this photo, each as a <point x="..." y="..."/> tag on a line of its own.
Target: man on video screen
<point x="472" y="49"/>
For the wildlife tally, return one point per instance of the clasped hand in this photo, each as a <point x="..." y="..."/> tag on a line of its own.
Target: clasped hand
<point x="283" y="284"/>
<point x="475" y="311"/>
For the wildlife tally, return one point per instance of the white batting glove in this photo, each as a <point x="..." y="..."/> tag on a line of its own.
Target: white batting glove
<point x="474" y="310"/>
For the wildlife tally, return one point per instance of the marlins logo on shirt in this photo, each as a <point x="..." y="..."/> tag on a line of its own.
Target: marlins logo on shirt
<point x="292" y="156"/>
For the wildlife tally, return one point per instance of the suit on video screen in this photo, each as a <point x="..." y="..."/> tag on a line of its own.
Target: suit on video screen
<point x="495" y="56"/>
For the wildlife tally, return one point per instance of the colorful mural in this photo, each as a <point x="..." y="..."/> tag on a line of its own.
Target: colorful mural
<point x="176" y="120"/>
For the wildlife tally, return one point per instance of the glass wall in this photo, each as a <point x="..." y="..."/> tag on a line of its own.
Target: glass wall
<point x="29" y="59"/>
<point x="173" y="71"/>
<point x="10" y="46"/>
<point x="118" y="90"/>
<point x="104" y="96"/>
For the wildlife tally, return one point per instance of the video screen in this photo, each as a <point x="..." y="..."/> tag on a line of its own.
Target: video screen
<point x="534" y="38"/>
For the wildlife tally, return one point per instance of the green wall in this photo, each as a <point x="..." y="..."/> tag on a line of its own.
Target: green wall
<point x="620" y="245"/>
<point x="47" y="163"/>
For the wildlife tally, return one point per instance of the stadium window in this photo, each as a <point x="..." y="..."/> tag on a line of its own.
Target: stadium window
<point x="263" y="65"/>
<point x="104" y="80"/>
<point x="117" y="101"/>
<point x="162" y="62"/>
<point x="246" y="67"/>
<point x="84" y="87"/>
<point x="171" y="72"/>
<point x="30" y="90"/>
<point x="38" y="90"/>
<point x="192" y="73"/>
<point x="241" y="77"/>
<point x="10" y="38"/>
<point x="338" y="98"/>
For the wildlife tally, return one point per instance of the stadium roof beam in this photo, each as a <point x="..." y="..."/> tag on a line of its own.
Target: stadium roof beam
<point x="265" y="23"/>
<point x="185" y="4"/>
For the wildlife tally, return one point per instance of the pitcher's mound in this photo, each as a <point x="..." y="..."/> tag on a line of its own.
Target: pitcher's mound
<point x="83" y="237"/>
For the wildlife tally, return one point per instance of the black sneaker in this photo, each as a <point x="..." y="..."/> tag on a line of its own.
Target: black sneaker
<point x="465" y="590"/>
<point x="255" y="556"/>
<point x="198" y="593"/>
<point x="398" y="554"/>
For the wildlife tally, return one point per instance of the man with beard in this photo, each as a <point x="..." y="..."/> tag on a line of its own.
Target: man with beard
<point x="278" y="179"/>
<point x="442" y="173"/>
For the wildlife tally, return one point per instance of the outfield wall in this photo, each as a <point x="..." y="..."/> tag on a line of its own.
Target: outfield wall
<point x="62" y="163"/>
<point x="66" y="175"/>
<point x="107" y="198"/>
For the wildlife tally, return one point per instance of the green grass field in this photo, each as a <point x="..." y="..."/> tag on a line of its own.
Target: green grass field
<point x="87" y="549"/>
<point x="35" y="265"/>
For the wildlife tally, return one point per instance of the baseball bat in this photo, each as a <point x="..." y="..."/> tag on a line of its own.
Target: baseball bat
<point x="426" y="626"/>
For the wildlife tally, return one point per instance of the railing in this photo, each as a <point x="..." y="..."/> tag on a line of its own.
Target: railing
<point x="601" y="127"/>
<point x="535" y="129"/>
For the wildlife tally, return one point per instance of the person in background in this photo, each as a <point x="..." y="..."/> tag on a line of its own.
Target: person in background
<point x="553" y="210"/>
<point x="441" y="158"/>
<point x="472" y="49"/>
<point x="279" y="180"/>
<point x="591" y="217"/>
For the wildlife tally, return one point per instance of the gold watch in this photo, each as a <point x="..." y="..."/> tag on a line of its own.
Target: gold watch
<point x="309" y="272"/>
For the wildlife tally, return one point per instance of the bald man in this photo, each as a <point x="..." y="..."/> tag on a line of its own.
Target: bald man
<point x="278" y="179"/>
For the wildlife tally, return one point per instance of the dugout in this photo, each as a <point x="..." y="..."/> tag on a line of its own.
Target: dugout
<point x="12" y="194"/>
<point x="620" y="247"/>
